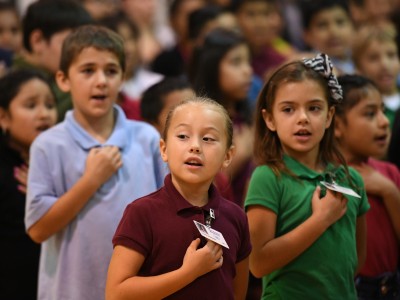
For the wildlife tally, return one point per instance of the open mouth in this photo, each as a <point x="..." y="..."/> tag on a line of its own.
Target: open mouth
<point x="381" y="139"/>
<point x="42" y="127"/>
<point x="303" y="133"/>
<point x="193" y="162"/>
<point x="99" y="97"/>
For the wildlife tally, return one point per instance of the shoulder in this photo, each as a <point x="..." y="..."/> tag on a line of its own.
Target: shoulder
<point x="52" y="136"/>
<point x="388" y="169"/>
<point x="139" y="127"/>
<point x="149" y="203"/>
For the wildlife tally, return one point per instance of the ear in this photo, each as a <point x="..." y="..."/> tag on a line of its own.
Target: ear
<point x="163" y="150"/>
<point x="63" y="81"/>
<point x="307" y="37"/>
<point x="329" y="117"/>
<point x="4" y="119"/>
<point x="37" y="41"/>
<point x="269" y="120"/>
<point x="229" y="156"/>
<point x="339" y="128"/>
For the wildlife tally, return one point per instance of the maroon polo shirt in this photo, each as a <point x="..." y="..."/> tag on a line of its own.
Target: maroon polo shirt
<point x="160" y="226"/>
<point x="382" y="247"/>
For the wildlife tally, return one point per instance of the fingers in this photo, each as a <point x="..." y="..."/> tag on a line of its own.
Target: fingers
<point x="194" y="244"/>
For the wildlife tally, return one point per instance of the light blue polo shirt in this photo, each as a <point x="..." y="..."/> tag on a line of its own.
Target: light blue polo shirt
<point x="74" y="261"/>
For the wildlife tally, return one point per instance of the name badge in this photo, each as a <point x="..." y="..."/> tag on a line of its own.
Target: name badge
<point x="211" y="234"/>
<point x="341" y="189"/>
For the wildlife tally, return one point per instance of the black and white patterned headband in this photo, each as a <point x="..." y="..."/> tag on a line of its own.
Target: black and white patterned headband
<point x="322" y="65"/>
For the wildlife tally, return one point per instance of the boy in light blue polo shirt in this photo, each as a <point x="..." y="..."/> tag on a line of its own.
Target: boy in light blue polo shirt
<point x="86" y="169"/>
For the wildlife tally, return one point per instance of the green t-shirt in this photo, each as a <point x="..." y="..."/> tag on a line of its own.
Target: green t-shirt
<point x="326" y="269"/>
<point x="63" y="100"/>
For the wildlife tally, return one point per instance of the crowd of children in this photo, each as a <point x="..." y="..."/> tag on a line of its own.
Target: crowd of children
<point x="198" y="149"/>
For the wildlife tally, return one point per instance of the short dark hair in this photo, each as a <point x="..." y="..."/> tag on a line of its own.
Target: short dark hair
<point x="51" y="17"/>
<point x="153" y="99"/>
<point x="200" y="17"/>
<point x="310" y="8"/>
<point x="355" y="88"/>
<point x="98" y="37"/>
<point x="10" y="84"/>
<point x="112" y="22"/>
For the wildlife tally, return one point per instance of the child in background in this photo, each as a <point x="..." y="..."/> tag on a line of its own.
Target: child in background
<point x="376" y="57"/>
<point x="394" y="144"/>
<point x="308" y="241"/>
<point x="84" y="171"/>
<point x="45" y="26"/>
<point x="362" y="111"/>
<point x="221" y="69"/>
<point x="159" y="99"/>
<point x="328" y="29"/>
<point x="260" y="21"/>
<point x="10" y="35"/>
<point x="197" y="143"/>
<point x="137" y="79"/>
<point x="27" y="108"/>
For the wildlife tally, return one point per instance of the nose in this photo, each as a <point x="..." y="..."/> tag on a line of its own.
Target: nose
<point x="383" y="121"/>
<point x="195" y="149"/>
<point x="303" y="117"/>
<point x="101" y="78"/>
<point x="44" y="112"/>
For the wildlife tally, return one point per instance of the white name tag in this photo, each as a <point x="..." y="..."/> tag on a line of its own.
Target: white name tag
<point x="211" y="234"/>
<point x="340" y="189"/>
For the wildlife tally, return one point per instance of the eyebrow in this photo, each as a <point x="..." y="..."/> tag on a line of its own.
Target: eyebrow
<point x="188" y="125"/>
<point x="285" y="102"/>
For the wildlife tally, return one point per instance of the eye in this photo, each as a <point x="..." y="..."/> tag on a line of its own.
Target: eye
<point x="30" y="104"/>
<point x="182" y="136"/>
<point x="370" y="114"/>
<point x="87" y="71"/>
<point x="208" y="139"/>
<point x="50" y="105"/>
<point x="112" y="71"/>
<point x="287" y="109"/>
<point x="315" y="108"/>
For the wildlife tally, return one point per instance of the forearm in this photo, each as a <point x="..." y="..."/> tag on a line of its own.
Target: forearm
<point x="64" y="210"/>
<point x="391" y="199"/>
<point x="153" y="287"/>
<point x="280" y="251"/>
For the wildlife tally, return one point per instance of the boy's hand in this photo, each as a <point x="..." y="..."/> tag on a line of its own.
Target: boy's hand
<point x="102" y="163"/>
<point x="329" y="208"/>
<point x="203" y="260"/>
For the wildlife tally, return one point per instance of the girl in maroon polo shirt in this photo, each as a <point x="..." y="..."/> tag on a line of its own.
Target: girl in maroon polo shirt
<point x="362" y="130"/>
<point x="159" y="253"/>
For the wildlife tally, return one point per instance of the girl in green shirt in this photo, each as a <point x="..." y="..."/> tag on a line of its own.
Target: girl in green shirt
<point x="308" y="241"/>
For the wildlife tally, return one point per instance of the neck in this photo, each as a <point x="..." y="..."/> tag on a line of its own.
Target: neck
<point x="351" y="158"/>
<point x="99" y="129"/>
<point x="23" y="151"/>
<point x="195" y="194"/>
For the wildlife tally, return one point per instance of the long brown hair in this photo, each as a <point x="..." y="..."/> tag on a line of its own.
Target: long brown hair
<point x="267" y="146"/>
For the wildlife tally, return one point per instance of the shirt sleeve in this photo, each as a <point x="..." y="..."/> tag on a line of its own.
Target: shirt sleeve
<point x="363" y="204"/>
<point x="264" y="189"/>
<point x="134" y="230"/>
<point x="41" y="194"/>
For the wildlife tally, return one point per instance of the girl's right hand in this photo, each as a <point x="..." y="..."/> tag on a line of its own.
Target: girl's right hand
<point x="203" y="260"/>
<point x="102" y="163"/>
<point x="329" y="208"/>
